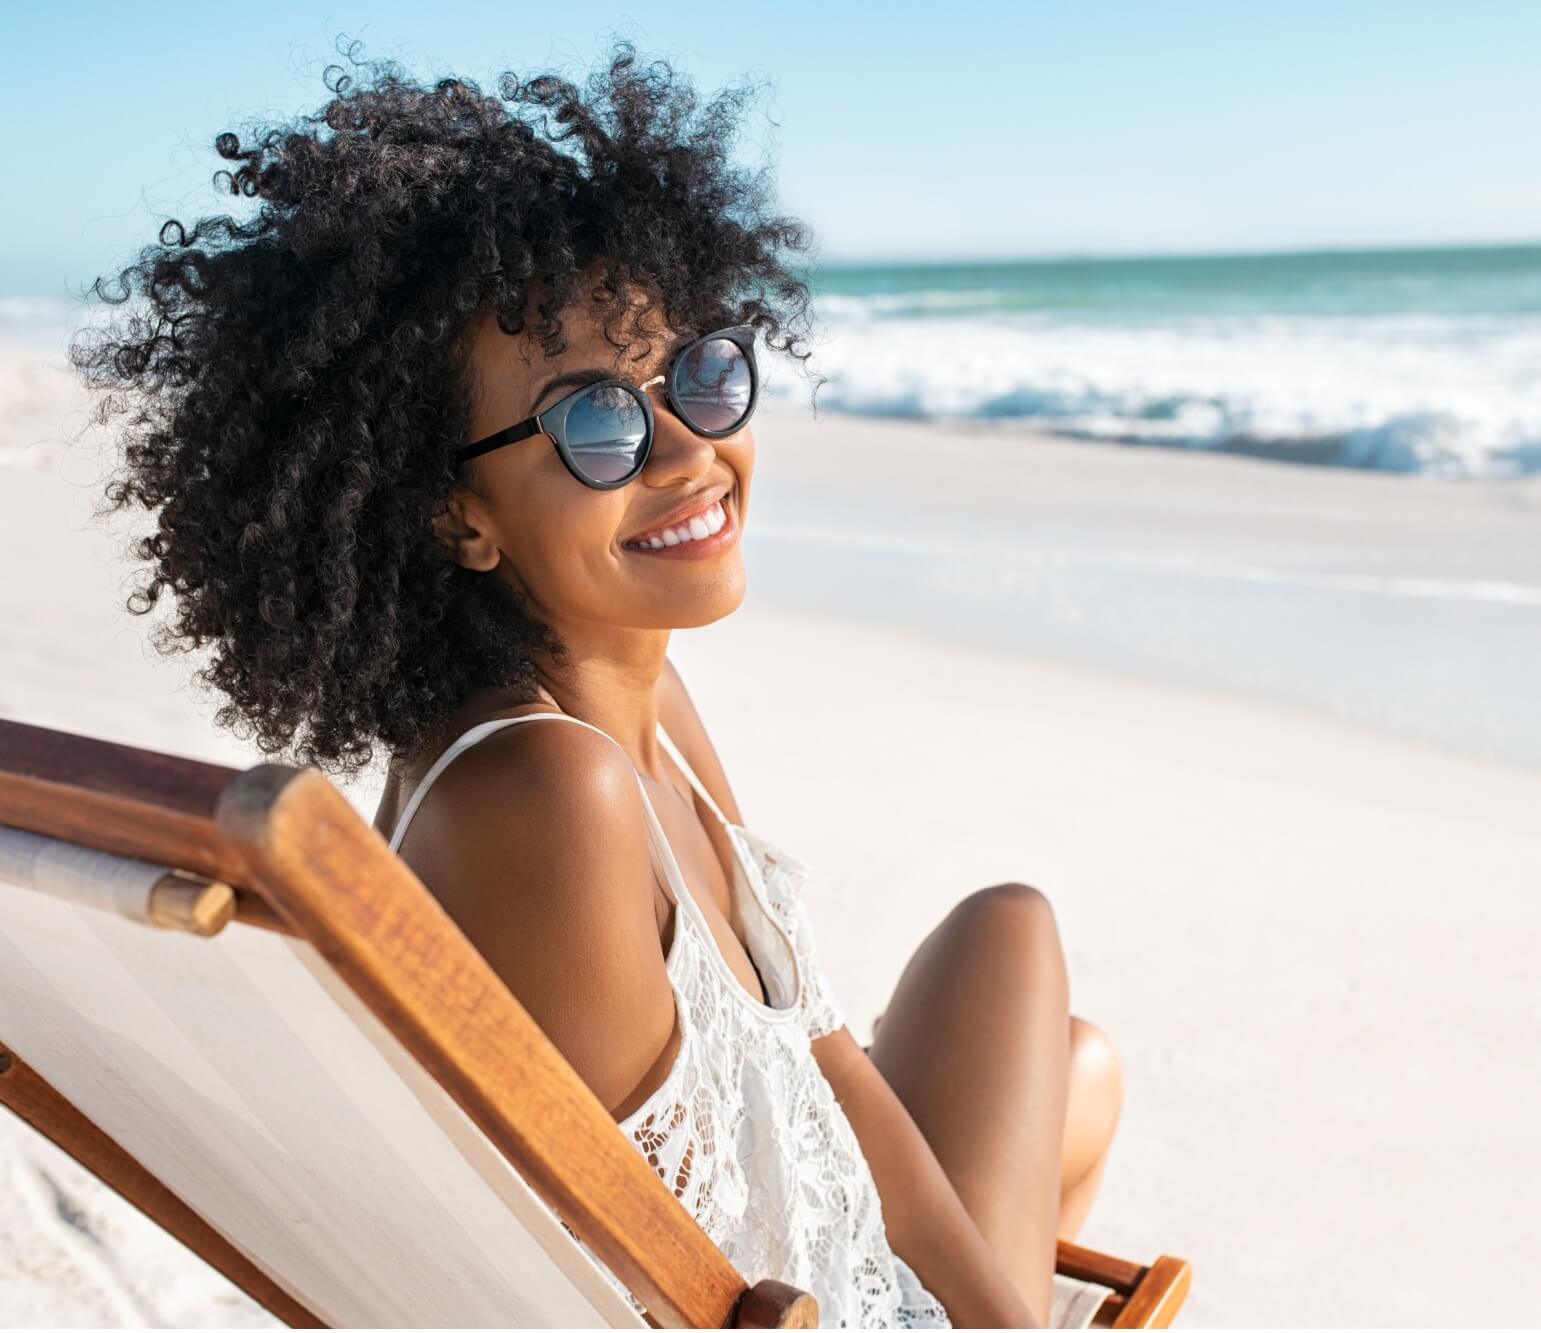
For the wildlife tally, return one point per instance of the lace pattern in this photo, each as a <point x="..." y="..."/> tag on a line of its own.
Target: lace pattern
<point x="782" y="876"/>
<point x="747" y="1132"/>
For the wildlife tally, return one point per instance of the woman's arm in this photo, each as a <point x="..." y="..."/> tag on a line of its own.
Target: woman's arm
<point x="535" y="842"/>
<point x="928" y="1226"/>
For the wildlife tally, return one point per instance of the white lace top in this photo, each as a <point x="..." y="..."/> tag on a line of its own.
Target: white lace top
<point x="745" y="1128"/>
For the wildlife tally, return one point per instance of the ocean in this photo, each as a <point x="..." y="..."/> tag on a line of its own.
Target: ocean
<point x="1411" y="361"/>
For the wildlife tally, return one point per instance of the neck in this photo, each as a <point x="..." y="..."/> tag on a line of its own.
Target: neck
<point x="616" y="691"/>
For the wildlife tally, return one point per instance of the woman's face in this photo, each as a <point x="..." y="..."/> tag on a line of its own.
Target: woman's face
<point x="569" y="548"/>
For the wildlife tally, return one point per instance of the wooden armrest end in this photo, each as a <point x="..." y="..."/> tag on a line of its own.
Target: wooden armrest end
<point x="773" y="1304"/>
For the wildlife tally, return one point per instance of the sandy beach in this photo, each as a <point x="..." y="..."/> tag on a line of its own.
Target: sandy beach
<point x="1264" y="734"/>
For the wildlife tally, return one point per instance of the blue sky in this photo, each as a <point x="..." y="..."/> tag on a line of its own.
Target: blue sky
<point x="900" y="130"/>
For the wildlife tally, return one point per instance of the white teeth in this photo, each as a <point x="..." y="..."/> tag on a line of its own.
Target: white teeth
<point x="697" y="528"/>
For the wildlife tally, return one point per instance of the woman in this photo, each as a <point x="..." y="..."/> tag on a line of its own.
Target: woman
<point x="444" y="440"/>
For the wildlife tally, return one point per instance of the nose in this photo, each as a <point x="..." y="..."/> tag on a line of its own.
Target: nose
<point x="677" y="449"/>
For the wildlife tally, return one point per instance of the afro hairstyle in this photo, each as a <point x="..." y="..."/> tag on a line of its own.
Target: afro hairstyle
<point x="289" y="387"/>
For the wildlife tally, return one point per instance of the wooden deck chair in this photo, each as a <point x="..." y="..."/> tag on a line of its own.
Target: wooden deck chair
<point x="223" y="994"/>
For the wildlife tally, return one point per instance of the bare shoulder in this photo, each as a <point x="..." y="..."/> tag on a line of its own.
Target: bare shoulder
<point x="686" y="729"/>
<point x="537" y="776"/>
<point x="535" y="842"/>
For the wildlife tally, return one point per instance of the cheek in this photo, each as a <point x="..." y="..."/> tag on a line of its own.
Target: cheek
<point x="741" y="459"/>
<point x="561" y="536"/>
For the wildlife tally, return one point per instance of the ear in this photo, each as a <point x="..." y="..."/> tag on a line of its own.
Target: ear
<point x="466" y="530"/>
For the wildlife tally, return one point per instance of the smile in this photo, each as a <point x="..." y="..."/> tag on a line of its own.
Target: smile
<point x="706" y="533"/>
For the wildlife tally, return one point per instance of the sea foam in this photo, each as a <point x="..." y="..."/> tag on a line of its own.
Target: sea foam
<point x="1409" y="361"/>
<point x="1449" y="395"/>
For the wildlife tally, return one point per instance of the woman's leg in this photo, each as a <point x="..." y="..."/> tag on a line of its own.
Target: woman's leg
<point x="1017" y="1099"/>
<point x="1095" y="1103"/>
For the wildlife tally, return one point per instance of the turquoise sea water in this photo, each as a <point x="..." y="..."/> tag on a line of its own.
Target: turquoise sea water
<point x="1418" y="361"/>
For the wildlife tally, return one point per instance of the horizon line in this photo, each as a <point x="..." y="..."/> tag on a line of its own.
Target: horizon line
<point x="1136" y="256"/>
<point x="1048" y="258"/>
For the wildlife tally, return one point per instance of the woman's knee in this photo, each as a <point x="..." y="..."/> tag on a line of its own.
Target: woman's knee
<point x="997" y="946"/>
<point x="1009" y="911"/>
<point x="1007" y="937"/>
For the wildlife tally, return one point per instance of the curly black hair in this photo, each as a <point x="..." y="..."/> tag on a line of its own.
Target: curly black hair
<point x="292" y="386"/>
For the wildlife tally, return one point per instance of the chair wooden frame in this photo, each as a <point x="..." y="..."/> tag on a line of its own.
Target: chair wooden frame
<point x="300" y="860"/>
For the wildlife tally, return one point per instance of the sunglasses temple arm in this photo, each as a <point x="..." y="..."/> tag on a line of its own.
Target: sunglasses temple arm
<point x="512" y="435"/>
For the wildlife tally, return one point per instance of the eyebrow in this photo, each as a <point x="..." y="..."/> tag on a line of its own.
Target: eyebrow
<point x="573" y="377"/>
<point x="593" y="374"/>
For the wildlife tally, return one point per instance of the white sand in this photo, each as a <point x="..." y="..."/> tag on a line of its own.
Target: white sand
<point x="1314" y="943"/>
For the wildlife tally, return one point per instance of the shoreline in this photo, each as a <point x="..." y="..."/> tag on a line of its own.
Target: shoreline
<point x="1405" y="603"/>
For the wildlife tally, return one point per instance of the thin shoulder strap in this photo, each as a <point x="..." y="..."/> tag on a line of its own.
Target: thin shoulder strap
<point x="464" y="742"/>
<point x="690" y="773"/>
<point x="660" y="841"/>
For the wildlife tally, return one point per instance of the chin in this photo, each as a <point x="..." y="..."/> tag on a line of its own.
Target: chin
<point x="721" y="599"/>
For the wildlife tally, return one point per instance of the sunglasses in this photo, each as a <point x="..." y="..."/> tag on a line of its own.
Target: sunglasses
<point x="603" y="431"/>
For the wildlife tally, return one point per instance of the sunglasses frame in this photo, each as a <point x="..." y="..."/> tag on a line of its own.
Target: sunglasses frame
<point x="552" y="421"/>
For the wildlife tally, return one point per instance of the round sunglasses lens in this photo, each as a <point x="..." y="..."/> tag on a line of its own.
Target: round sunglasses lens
<point x="714" y="384"/>
<point x="604" y="431"/>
